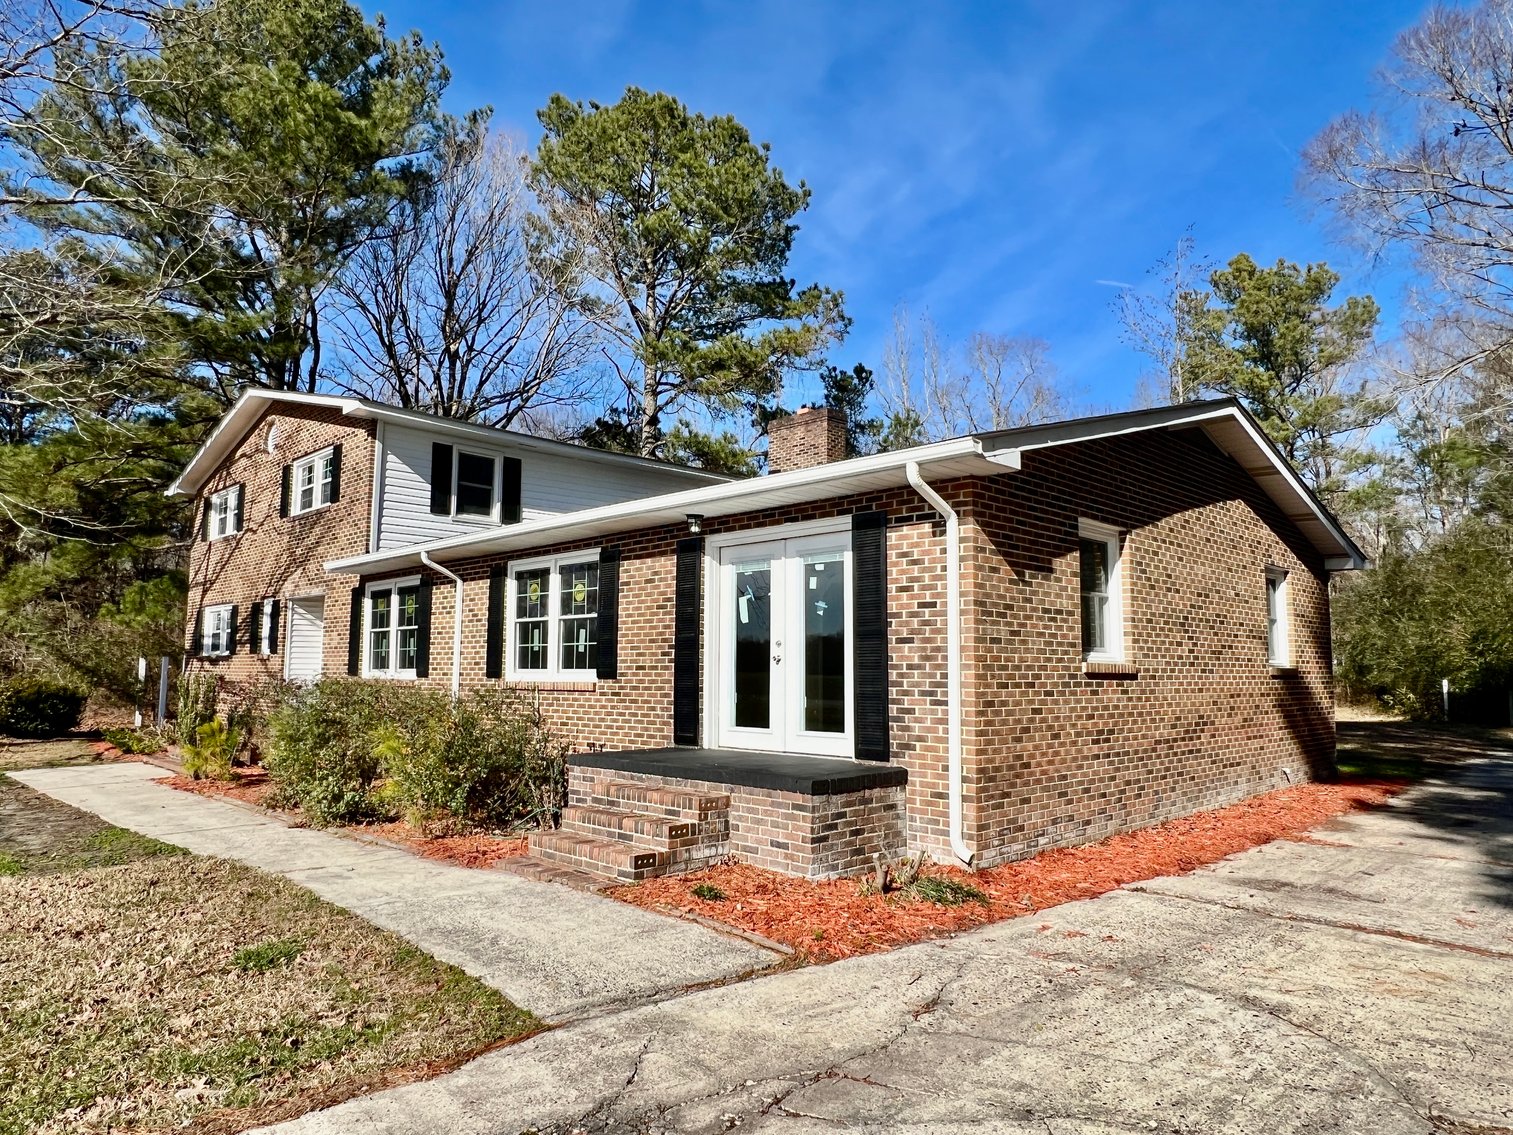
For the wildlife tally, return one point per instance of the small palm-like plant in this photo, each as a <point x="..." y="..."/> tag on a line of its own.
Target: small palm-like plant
<point x="209" y="758"/>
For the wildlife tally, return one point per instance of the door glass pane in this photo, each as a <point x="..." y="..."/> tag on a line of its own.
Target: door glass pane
<point x="752" y="612"/>
<point x="823" y="602"/>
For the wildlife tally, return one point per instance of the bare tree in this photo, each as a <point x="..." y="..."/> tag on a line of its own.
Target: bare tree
<point x="993" y="382"/>
<point x="1156" y="320"/>
<point x="450" y="313"/>
<point x="1430" y="168"/>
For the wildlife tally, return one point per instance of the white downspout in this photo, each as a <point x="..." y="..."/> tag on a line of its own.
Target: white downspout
<point x="426" y="559"/>
<point x="953" y="657"/>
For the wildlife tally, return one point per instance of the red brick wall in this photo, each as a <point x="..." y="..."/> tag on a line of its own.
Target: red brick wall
<point x="814" y="435"/>
<point x="277" y="557"/>
<point x="635" y="710"/>
<point x="1056" y="756"/>
<point x="1052" y="755"/>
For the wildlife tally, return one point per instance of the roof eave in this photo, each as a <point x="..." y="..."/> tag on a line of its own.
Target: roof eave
<point x="964" y="455"/>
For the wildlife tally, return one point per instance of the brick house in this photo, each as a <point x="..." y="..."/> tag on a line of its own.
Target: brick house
<point x="976" y="648"/>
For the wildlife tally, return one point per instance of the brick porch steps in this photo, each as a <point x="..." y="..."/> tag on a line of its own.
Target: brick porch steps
<point x="662" y="833"/>
<point x="672" y="802"/>
<point x="606" y="858"/>
<point x="626" y="831"/>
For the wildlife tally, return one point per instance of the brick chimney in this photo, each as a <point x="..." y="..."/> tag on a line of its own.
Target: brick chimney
<point x="815" y="435"/>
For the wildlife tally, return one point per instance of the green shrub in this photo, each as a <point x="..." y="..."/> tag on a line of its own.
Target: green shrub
<point x="485" y="760"/>
<point x="321" y="748"/>
<point x="209" y="758"/>
<point x="196" y="705"/>
<point x="708" y="892"/>
<point x="37" y="707"/>
<point x="347" y="750"/>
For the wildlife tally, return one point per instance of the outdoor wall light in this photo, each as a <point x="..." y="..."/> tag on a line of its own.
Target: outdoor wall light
<point x="695" y="523"/>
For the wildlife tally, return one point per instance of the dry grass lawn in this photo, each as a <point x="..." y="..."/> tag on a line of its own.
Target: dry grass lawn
<point x="16" y="753"/>
<point x="174" y="991"/>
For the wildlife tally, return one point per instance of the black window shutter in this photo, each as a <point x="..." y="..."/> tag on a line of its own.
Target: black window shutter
<point x="255" y="628"/>
<point x="509" y="492"/>
<point x="493" y="653"/>
<point x="231" y="625"/>
<point x="238" y="513"/>
<point x="608" y="631"/>
<point x="685" y="641"/>
<point x="423" y="629"/>
<point x="336" y="472"/>
<point x="354" y="635"/>
<point x="441" y="479"/>
<point x="205" y="520"/>
<point x="273" y="626"/>
<point x="870" y="634"/>
<point x="286" y="491"/>
<point x="197" y="646"/>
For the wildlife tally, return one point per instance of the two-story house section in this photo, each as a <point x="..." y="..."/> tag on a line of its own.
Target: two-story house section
<point x="288" y="481"/>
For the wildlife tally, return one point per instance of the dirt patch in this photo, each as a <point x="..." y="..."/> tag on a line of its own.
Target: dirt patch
<point x="188" y="992"/>
<point x="16" y="753"/>
<point x="835" y="919"/>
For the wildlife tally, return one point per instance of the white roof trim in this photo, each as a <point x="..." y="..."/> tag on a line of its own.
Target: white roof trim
<point x="235" y="423"/>
<point x="962" y="456"/>
<point x="1230" y="427"/>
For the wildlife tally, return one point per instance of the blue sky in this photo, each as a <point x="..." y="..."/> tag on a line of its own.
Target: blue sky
<point x="994" y="164"/>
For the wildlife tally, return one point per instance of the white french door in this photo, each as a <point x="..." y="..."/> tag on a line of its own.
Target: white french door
<point x="782" y="648"/>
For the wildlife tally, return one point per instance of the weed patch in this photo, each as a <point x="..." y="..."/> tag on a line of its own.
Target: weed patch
<point x="945" y="892"/>
<point x="268" y="955"/>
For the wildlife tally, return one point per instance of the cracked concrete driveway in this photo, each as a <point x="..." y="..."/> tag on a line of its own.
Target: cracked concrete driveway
<point x="1363" y="983"/>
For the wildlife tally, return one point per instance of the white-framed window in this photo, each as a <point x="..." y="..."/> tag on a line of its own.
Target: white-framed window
<point x="311" y="484"/>
<point x="267" y="627"/>
<point x="392" y="622"/>
<point x="225" y="516"/>
<point x="474" y="485"/>
<point x="1278" y="647"/>
<point x="1098" y="555"/>
<point x="217" y="630"/>
<point x="552" y="617"/>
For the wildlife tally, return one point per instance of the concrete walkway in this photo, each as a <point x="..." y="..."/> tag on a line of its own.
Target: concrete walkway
<point x="558" y="952"/>
<point x="1359" y="985"/>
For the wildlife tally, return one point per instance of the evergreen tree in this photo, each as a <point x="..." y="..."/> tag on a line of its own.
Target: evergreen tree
<point x="685" y="228"/>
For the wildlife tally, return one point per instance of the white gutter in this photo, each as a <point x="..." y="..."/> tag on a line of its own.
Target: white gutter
<point x="425" y="558"/>
<point x="953" y="656"/>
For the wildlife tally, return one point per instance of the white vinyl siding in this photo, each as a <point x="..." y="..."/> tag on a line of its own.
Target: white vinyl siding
<point x="550" y="484"/>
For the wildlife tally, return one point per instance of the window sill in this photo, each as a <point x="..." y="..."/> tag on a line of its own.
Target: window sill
<point x="1095" y="668"/>
<point x="308" y="512"/>
<point x="1283" y="671"/>
<point x="223" y="536"/>
<point x="552" y="683"/>
<point x="391" y="676"/>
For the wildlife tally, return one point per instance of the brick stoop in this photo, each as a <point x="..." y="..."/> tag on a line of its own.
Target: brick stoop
<point x="627" y="832"/>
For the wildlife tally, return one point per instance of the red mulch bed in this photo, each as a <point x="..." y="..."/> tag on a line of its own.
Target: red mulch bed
<point x="249" y="785"/>
<point x="834" y="919"/>
<point x="252" y="786"/>
<point x="475" y="850"/>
